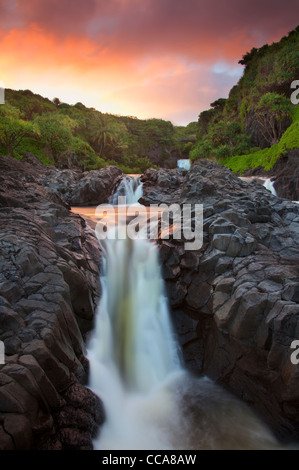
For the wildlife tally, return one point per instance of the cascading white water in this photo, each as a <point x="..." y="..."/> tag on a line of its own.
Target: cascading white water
<point x="133" y="349"/>
<point x="266" y="182"/>
<point x="131" y="187"/>
<point x="150" y="401"/>
<point x="269" y="184"/>
<point x="185" y="163"/>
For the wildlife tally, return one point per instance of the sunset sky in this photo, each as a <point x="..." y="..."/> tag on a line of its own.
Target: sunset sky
<point x="147" y="58"/>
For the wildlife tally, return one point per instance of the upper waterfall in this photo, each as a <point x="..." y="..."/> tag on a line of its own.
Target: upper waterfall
<point x="131" y="187"/>
<point x="185" y="163"/>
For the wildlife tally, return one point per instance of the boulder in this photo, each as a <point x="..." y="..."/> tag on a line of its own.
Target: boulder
<point x="89" y="188"/>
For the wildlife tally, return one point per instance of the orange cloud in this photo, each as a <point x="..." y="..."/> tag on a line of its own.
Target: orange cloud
<point x="142" y="57"/>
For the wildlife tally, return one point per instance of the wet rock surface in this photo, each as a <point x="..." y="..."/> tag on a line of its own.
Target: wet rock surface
<point x="49" y="289"/>
<point x="234" y="302"/>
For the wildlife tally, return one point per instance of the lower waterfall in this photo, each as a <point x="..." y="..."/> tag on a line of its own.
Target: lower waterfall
<point x="151" y="402"/>
<point x="133" y="350"/>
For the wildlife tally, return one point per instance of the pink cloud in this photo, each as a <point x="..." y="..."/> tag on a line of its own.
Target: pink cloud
<point x="141" y="57"/>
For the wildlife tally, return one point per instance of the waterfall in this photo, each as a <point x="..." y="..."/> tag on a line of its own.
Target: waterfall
<point x="269" y="184"/>
<point x="185" y="163"/>
<point x="150" y="400"/>
<point x="133" y="349"/>
<point x="266" y="182"/>
<point x="131" y="187"/>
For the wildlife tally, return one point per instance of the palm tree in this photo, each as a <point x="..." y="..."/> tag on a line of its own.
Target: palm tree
<point x="107" y="134"/>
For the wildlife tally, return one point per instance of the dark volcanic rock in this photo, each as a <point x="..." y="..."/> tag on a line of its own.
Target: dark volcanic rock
<point x="49" y="289"/>
<point x="286" y="172"/>
<point x="90" y="188"/>
<point x="75" y="188"/>
<point x="235" y="301"/>
<point x="162" y="182"/>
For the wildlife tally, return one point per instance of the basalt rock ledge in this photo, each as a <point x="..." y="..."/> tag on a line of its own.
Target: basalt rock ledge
<point x="234" y="302"/>
<point x="49" y="289"/>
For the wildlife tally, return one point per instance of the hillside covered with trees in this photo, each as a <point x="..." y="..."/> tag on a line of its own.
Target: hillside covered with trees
<point x="257" y="123"/>
<point x="74" y="136"/>
<point x="255" y="126"/>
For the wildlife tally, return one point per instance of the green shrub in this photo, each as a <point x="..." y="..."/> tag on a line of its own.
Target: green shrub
<point x="36" y="147"/>
<point x="222" y="152"/>
<point x="201" y="150"/>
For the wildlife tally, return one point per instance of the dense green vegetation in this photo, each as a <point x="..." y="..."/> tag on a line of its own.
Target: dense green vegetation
<point x="79" y="137"/>
<point x="257" y="123"/>
<point x="253" y="127"/>
<point x="267" y="157"/>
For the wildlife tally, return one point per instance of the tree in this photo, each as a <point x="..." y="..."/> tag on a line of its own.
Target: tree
<point x="246" y="58"/>
<point x="158" y="132"/>
<point x="273" y="113"/>
<point x="56" y="132"/>
<point x="219" y="104"/>
<point x="202" y="149"/>
<point x="79" y="154"/>
<point x="109" y="135"/>
<point x="224" y="133"/>
<point x="204" y="120"/>
<point x="57" y="102"/>
<point x="13" y="129"/>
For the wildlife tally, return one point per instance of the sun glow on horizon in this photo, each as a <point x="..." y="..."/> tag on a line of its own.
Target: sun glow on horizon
<point x="124" y="59"/>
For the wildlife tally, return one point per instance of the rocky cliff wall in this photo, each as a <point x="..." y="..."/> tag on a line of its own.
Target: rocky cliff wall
<point x="49" y="289"/>
<point x="235" y="301"/>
